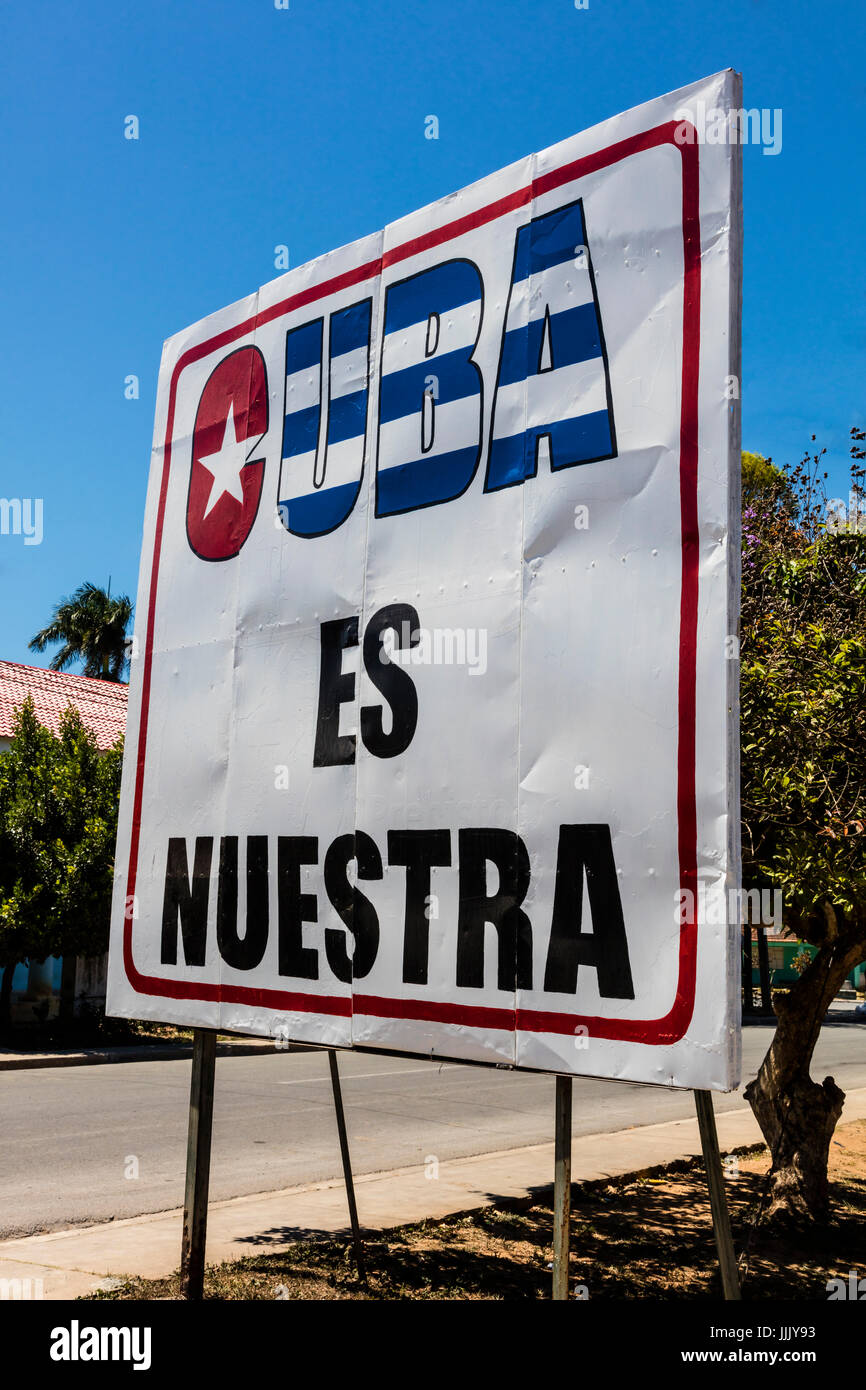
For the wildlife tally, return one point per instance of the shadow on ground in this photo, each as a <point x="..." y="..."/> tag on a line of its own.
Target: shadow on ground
<point x="649" y="1237"/>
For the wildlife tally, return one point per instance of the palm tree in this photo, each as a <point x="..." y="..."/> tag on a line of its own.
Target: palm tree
<point x="92" y="627"/>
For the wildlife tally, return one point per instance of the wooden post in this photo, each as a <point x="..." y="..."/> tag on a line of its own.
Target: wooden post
<point x="192" y="1253"/>
<point x="718" y="1200"/>
<point x="347" y="1166"/>
<point x="562" y="1188"/>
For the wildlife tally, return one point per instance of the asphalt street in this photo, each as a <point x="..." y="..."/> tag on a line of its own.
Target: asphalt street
<point x="95" y="1143"/>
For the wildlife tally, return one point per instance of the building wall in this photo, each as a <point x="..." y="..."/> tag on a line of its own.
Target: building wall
<point x="19" y="981"/>
<point x="34" y="983"/>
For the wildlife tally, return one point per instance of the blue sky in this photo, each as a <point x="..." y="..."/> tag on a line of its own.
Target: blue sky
<point x="305" y="127"/>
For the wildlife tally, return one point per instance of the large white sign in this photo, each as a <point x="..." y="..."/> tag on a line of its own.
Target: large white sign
<point x="432" y="723"/>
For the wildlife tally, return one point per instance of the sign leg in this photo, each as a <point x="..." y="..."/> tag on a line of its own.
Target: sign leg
<point x="718" y="1200"/>
<point x="198" y="1147"/>
<point x="347" y="1166"/>
<point x="562" y="1188"/>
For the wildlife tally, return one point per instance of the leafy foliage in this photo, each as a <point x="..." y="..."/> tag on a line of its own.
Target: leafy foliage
<point x="803" y="700"/>
<point x="764" y="484"/>
<point x="92" y="627"/>
<point x="58" y="821"/>
<point x="803" y="764"/>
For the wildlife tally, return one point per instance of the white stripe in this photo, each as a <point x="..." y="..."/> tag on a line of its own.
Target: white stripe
<point x="562" y="394"/>
<point x="302" y="389"/>
<point x="456" y="426"/>
<point x="457" y="329"/>
<point x="343" y="461"/>
<point x="348" y="372"/>
<point x="296" y="476"/>
<point x="343" y="464"/>
<point x="558" y="288"/>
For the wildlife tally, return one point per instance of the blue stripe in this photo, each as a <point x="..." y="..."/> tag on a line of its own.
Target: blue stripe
<point x="403" y="391"/>
<point x="579" y="439"/>
<point x="301" y="431"/>
<point x="347" y="417"/>
<point x="510" y="461"/>
<point x="350" y="329"/>
<point x="435" y="291"/>
<point x="304" y="347"/>
<point x="319" y="511"/>
<point x="574" y="441"/>
<point x="548" y="241"/>
<point x="434" y="478"/>
<point x="574" y="337"/>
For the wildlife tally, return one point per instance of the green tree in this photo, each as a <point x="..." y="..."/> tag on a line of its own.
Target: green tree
<point x="58" y="823"/>
<point x="803" y="779"/>
<point x="765" y="485"/>
<point x="92" y="627"/>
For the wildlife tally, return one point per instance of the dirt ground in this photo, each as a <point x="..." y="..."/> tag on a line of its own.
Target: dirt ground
<point x="650" y="1237"/>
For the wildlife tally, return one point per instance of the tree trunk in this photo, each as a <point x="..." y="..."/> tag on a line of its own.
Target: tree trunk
<point x="797" y="1116"/>
<point x="6" y="998"/>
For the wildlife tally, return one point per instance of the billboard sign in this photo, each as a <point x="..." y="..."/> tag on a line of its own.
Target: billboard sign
<point x="432" y="725"/>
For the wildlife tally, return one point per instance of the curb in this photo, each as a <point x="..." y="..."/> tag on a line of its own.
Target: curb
<point x="147" y="1052"/>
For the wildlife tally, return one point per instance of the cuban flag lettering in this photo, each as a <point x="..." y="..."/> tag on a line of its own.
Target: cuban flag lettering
<point x="225" y="482"/>
<point x="552" y="355"/>
<point x="431" y="390"/>
<point x="320" y="481"/>
<point x="552" y="402"/>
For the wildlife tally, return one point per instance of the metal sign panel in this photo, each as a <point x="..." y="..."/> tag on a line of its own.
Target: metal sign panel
<point x="432" y="725"/>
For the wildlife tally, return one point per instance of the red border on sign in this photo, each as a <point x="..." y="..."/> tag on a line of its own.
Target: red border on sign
<point x="659" y="1031"/>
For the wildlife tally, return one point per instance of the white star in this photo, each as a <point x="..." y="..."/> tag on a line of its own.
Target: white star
<point x="226" y="464"/>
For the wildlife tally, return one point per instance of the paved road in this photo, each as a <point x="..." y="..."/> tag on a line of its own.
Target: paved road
<point x="70" y="1136"/>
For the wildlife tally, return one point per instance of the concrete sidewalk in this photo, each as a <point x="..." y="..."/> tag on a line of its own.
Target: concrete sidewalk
<point x="77" y="1262"/>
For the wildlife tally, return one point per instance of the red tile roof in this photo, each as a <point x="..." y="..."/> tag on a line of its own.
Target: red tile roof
<point x="101" y="704"/>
